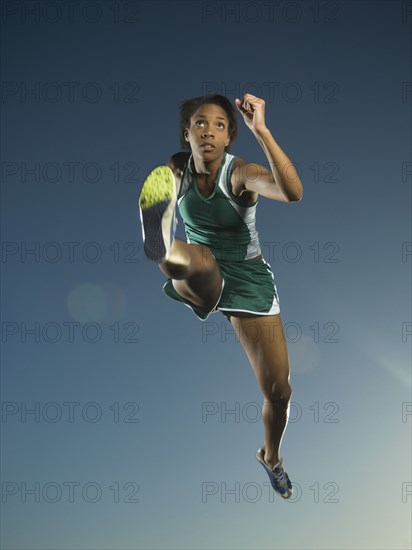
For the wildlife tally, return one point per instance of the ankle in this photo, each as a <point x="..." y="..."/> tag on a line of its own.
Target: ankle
<point x="271" y="459"/>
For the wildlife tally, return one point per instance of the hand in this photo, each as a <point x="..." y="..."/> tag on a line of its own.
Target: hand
<point x="253" y="111"/>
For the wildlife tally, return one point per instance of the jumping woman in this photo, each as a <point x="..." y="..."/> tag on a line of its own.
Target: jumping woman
<point x="221" y="267"/>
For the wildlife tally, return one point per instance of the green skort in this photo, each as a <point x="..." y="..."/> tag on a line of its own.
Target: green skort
<point x="247" y="286"/>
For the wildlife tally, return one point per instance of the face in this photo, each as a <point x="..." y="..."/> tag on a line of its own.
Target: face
<point x="208" y="133"/>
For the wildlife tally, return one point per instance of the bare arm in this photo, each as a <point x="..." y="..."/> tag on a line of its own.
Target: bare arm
<point x="283" y="182"/>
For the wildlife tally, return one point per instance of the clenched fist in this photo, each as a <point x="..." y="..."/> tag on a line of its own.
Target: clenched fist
<point x="252" y="109"/>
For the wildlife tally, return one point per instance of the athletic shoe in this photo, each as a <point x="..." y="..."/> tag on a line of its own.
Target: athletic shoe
<point x="279" y="479"/>
<point x="157" y="203"/>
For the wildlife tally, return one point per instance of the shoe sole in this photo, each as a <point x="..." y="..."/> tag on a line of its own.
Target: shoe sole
<point x="288" y="493"/>
<point x="157" y="203"/>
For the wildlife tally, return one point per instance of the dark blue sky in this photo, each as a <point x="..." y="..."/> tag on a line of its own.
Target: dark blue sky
<point x="131" y="393"/>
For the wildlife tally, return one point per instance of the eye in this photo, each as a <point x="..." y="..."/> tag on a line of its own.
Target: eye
<point x="221" y="124"/>
<point x="199" y="122"/>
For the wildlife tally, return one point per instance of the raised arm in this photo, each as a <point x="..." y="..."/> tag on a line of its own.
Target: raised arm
<point x="283" y="182"/>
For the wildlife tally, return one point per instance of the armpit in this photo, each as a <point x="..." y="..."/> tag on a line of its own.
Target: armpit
<point x="243" y="195"/>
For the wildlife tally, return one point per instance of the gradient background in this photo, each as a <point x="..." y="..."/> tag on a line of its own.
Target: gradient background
<point x="155" y="455"/>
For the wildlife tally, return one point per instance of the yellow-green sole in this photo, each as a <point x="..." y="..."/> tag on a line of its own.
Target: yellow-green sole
<point x="157" y="187"/>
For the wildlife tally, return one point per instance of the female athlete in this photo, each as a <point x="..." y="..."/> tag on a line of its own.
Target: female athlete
<point x="220" y="267"/>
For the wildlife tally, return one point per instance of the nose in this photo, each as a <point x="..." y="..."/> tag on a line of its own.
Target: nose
<point x="206" y="133"/>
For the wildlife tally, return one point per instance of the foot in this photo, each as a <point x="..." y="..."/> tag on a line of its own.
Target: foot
<point x="157" y="203"/>
<point x="279" y="479"/>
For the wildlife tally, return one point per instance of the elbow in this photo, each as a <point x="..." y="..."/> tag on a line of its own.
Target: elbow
<point x="298" y="197"/>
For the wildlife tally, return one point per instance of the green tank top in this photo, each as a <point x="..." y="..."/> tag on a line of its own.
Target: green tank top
<point x="221" y="221"/>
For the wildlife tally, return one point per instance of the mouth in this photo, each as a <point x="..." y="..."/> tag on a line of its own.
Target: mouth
<point x="207" y="146"/>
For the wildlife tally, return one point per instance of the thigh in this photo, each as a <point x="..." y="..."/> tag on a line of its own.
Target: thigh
<point x="263" y="340"/>
<point x="204" y="286"/>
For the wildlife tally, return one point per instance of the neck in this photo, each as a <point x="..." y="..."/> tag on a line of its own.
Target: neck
<point x="207" y="168"/>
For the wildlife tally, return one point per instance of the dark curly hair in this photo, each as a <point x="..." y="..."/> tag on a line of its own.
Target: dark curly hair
<point x="190" y="106"/>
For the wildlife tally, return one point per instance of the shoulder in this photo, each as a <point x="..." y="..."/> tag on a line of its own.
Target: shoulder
<point x="177" y="162"/>
<point x="237" y="180"/>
